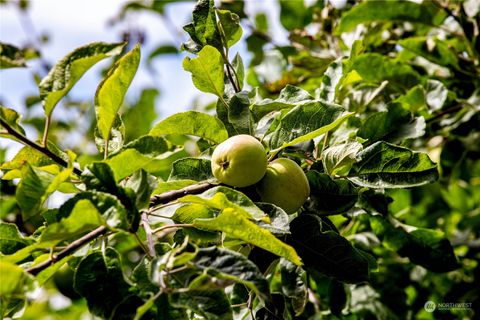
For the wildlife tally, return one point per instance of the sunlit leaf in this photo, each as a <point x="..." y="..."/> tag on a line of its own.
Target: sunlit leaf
<point x="192" y="123"/>
<point x="206" y="70"/>
<point x="384" y="165"/>
<point x="12" y="118"/>
<point x="191" y="169"/>
<point x="84" y="217"/>
<point x="236" y="225"/>
<point x="288" y="98"/>
<point x="307" y="121"/>
<point x="111" y="91"/>
<point x="71" y="68"/>
<point x="230" y="25"/>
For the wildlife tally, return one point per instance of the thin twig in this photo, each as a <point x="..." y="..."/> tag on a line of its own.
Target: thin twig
<point x="48" y="120"/>
<point x="445" y="112"/>
<point x="148" y="232"/>
<point x="140" y="243"/>
<point x="175" y="194"/>
<point x="37" y="147"/>
<point x="68" y="250"/>
<point x="178" y="225"/>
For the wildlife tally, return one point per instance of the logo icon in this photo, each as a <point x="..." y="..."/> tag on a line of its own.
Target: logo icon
<point x="429" y="306"/>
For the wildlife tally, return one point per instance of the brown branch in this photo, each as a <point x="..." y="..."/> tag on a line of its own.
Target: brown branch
<point x="154" y="200"/>
<point x="23" y="139"/>
<point x="175" y="194"/>
<point x="445" y="112"/>
<point x="68" y="250"/>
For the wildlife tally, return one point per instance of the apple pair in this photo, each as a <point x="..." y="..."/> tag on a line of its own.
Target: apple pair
<point x="241" y="161"/>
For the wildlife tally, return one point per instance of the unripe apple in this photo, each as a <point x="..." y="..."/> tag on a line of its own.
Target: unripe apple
<point x="63" y="280"/>
<point x="285" y="185"/>
<point x="239" y="161"/>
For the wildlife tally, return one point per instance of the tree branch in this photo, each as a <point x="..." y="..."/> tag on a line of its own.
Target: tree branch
<point x="37" y="147"/>
<point x="68" y="250"/>
<point x="154" y="200"/>
<point x="175" y="194"/>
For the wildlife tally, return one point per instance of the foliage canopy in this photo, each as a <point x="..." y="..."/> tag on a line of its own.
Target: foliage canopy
<point x="378" y="101"/>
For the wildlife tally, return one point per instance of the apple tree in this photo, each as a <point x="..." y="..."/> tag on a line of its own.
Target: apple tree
<point x="369" y="119"/>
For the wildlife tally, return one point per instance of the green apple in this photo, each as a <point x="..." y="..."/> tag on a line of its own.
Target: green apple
<point x="285" y="185"/>
<point x="239" y="161"/>
<point x="63" y="280"/>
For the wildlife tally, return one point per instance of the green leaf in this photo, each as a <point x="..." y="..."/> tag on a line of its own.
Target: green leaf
<point x="236" y="225"/>
<point x="294" y="14"/>
<point x="147" y="152"/>
<point x="414" y="100"/>
<point x="434" y="50"/>
<point x="207" y="71"/>
<point x="377" y="68"/>
<point x="188" y="213"/>
<point x="12" y="118"/>
<point x="138" y="119"/>
<point x="116" y="138"/>
<point x="32" y="190"/>
<point x="143" y="185"/>
<point x="330" y="80"/>
<point x="71" y="68"/>
<point x="163" y="187"/>
<point x="11" y="239"/>
<point x="84" y="217"/>
<point x="279" y="224"/>
<point x="239" y="115"/>
<point x="425" y="247"/>
<point x="111" y="91"/>
<point x="211" y="304"/>
<point x="380" y="124"/>
<point x="191" y="169"/>
<point x="384" y="165"/>
<point x="326" y="252"/>
<point x="221" y="197"/>
<point x="27" y="155"/>
<point x="293" y="285"/>
<point x="338" y="159"/>
<point x="289" y="97"/>
<point x="192" y="123"/>
<point x="111" y="209"/>
<point x="371" y="11"/>
<point x="13" y="279"/>
<point x="230" y="265"/>
<point x="99" y="176"/>
<point x="11" y="56"/>
<point x="99" y="278"/>
<point x="230" y="24"/>
<point x="330" y="196"/>
<point x="307" y="121"/>
<point x="237" y="64"/>
<point x="203" y="30"/>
